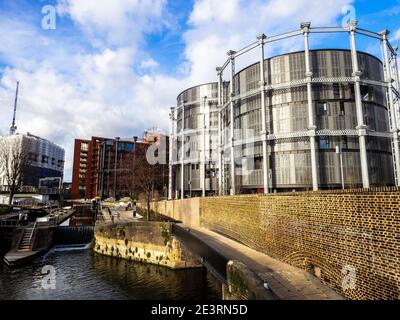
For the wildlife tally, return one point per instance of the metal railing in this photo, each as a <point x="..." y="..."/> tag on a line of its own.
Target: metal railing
<point x="32" y="232"/>
<point x="9" y="223"/>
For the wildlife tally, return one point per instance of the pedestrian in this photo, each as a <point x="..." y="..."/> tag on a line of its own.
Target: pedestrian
<point x="134" y="208"/>
<point x="20" y="218"/>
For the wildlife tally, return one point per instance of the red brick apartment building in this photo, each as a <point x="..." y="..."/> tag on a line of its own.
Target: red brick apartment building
<point x="106" y="167"/>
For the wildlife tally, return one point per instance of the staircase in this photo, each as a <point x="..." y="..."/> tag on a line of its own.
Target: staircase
<point x="26" y="240"/>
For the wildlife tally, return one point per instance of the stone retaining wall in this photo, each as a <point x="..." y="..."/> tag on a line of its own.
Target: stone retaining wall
<point x="148" y="242"/>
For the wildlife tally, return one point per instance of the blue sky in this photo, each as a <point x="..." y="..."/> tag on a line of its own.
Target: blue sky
<point x="114" y="68"/>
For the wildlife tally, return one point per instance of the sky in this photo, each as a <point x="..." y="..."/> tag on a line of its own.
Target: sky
<point x="114" y="68"/>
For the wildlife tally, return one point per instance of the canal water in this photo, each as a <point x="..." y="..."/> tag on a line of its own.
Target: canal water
<point x="82" y="274"/>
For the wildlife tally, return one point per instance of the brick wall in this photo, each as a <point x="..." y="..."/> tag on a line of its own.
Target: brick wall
<point x="335" y="235"/>
<point x="186" y="210"/>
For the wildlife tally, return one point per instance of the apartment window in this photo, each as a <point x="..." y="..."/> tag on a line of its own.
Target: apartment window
<point x="84" y="147"/>
<point x="336" y="91"/>
<point x="322" y="108"/>
<point x="32" y="156"/>
<point x="342" y="109"/>
<point x="367" y="93"/>
<point x="344" y="142"/>
<point x="258" y="163"/>
<point x="109" y="144"/>
<point x="324" y="143"/>
<point x="45" y="159"/>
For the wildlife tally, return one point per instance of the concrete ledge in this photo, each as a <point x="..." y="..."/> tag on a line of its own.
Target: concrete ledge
<point x="244" y="284"/>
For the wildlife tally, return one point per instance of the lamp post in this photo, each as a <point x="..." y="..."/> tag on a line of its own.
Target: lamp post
<point x="212" y="175"/>
<point x="339" y="151"/>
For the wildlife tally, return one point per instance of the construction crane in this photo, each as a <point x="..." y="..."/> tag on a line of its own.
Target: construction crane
<point x="13" y="128"/>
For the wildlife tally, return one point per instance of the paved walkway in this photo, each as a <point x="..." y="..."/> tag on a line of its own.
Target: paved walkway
<point x="120" y="215"/>
<point x="286" y="281"/>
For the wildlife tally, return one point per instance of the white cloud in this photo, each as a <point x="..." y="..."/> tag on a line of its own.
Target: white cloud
<point x="118" y="21"/>
<point x="148" y="64"/>
<point x="218" y="26"/>
<point x="396" y="36"/>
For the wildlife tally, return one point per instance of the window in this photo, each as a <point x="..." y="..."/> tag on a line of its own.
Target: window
<point x="322" y="108"/>
<point x="84" y="147"/>
<point x="324" y="143"/>
<point x="121" y="147"/>
<point x="130" y="147"/>
<point x="109" y="144"/>
<point x="45" y="159"/>
<point x="367" y="93"/>
<point x="32" y="156"/>
<point x="344" y="143"/>
<point x="352" y="91"/>
<point x="342" y="109"/>
<point x="258" y="163"/>
<point x="336" y="91"/>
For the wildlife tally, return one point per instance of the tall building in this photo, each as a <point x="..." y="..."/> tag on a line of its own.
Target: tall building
<point x="80" y="168"/>
<point x="106" y="167"/>
<point x="196" y="123"/>
<point x="45" y="160"/>
<point x="308" y="120"/>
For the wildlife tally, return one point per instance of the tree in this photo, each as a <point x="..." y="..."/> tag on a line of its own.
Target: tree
<point x="14" y="162"/>
<point x="133" y="161"/>
<point x="148" y="179"/>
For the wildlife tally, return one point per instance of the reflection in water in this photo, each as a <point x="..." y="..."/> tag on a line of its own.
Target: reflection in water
<point x="85" y="275"/>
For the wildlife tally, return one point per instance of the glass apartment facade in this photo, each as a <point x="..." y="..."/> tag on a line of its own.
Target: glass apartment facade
<point x="289" y="156"/>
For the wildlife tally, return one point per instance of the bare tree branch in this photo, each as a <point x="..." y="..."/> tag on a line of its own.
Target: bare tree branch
<point x="14" y="162"/>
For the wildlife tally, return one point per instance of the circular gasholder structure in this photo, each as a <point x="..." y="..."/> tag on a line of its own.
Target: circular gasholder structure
<point x="308" y="120"/>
